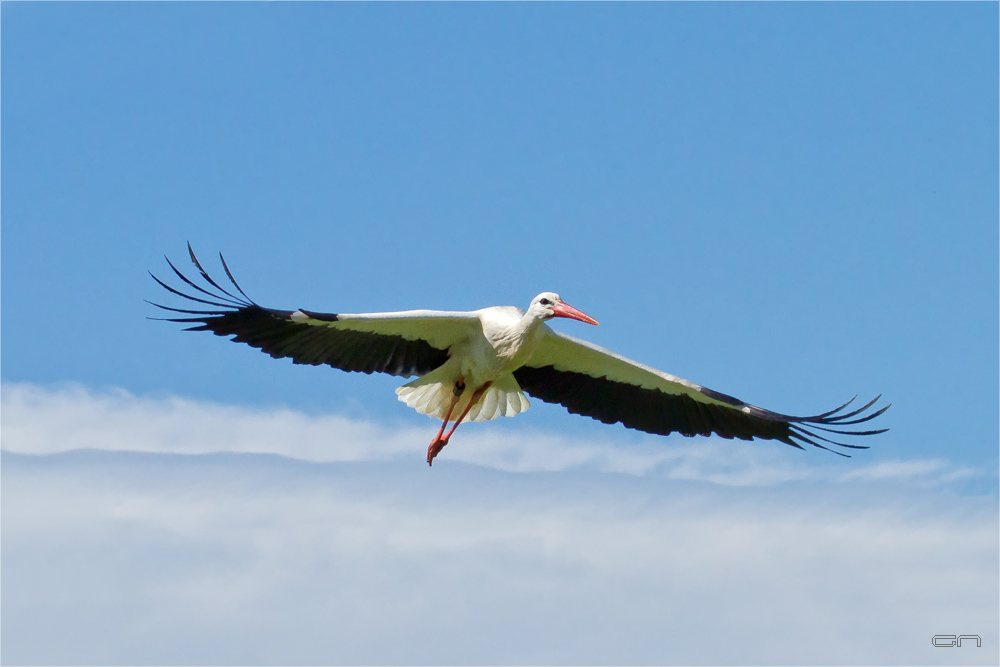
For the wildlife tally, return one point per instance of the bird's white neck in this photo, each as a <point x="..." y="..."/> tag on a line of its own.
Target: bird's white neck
<point x="523" y="339"/>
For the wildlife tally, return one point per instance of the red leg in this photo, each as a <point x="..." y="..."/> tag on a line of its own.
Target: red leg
<point x="475" y="399"/>
<point x="439" y="442"/>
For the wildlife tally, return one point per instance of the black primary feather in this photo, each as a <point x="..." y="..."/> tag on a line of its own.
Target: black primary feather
<point x="660" y="413"/>
<point x="274" y="332"/>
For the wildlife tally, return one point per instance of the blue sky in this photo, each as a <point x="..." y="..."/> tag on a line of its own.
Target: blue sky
<point x="789" y="203"/>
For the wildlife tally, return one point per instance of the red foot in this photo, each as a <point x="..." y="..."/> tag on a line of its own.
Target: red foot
<point x="437" y="444"/>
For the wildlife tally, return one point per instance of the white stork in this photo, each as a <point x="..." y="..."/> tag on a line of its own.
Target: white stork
<point x="479" y="364"/>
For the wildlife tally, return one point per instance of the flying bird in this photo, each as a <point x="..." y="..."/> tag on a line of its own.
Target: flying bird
<point x="478" y="365"/>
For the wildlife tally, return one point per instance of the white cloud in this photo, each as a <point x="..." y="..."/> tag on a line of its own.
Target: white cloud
<point x="923" y="469"/>
<point x="182" y="539"/>
<point x="39" y="420"/>
<point x="118" y="558"/>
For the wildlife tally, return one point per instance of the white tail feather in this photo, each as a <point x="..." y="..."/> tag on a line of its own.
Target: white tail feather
<point x="431" y="396"/>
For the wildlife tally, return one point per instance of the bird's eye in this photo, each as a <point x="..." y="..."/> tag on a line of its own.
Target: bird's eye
<point x="545" y="302"/>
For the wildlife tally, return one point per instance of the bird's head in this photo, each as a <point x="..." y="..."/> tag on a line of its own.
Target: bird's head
<point x="547" y="305"/>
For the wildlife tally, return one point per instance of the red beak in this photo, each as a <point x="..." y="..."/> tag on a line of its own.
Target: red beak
<point x="563" y="309"/>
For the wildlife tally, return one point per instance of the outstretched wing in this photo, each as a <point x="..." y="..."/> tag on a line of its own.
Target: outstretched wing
<point x="590" y="380"/>
<point x="405" y="343"/>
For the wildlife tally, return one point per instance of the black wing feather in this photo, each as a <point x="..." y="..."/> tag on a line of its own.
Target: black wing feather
<point x="655" y="411"/>
<point x="274" y="332"/>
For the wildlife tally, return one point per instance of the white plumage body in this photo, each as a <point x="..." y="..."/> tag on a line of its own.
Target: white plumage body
<point x="506" y="340"/>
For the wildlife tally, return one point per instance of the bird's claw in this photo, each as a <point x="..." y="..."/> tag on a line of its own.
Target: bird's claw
<point x="437" y="444"/>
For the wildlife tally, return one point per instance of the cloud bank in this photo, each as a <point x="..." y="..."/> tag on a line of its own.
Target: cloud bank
<point x="203" y="534"/>
<point x="39" y="420"/>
